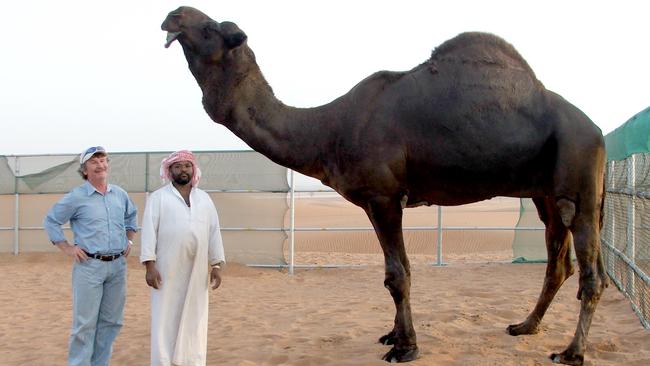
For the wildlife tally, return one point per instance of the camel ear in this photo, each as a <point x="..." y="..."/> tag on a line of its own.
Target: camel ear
<point x="232" y="35"/>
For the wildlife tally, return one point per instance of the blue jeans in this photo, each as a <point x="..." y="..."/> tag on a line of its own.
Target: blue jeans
<point x="98" y="297"/>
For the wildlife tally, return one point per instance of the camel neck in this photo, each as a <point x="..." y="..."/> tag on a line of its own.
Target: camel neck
<point x="292" y="137"/>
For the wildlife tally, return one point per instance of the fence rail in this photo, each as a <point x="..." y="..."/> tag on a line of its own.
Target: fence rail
<point x="328" y="229"/>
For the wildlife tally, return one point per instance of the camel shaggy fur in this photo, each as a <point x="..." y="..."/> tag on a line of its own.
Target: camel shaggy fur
<point x="470" y="123"/>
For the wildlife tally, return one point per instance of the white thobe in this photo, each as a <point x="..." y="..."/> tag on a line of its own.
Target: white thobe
<point x="183" y="241"/>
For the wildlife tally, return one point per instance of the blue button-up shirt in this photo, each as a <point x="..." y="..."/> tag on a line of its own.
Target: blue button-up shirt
<point x="99" y="221"/>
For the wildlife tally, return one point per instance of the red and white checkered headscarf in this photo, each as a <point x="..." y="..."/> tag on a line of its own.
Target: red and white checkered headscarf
<point x="181" y="155"/>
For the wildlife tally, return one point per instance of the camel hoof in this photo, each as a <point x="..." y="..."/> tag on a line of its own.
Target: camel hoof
<point x="521" y="328"/>
<point x="388" y="339"/>
<point x="401" y="355"/>
<point x="567" y="359"/>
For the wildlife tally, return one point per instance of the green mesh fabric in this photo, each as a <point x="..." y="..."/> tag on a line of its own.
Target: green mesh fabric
<point x="528" y="245"/>
<point x="632" y="137"/>
<point x="7" y="179"/>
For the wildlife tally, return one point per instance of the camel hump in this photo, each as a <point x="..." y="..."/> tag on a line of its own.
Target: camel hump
<point x="477" y="48"/>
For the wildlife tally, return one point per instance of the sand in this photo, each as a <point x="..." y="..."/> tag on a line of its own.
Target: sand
<point x="329" y="316"/>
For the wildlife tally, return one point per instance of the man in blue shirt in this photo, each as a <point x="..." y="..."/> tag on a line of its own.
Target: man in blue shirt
<point x="103" y="221"/>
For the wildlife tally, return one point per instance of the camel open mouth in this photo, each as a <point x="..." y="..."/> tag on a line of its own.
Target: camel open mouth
<point x="171" y="37"/>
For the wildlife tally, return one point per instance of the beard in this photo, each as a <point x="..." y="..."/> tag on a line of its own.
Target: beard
<point x="181" y="179"/>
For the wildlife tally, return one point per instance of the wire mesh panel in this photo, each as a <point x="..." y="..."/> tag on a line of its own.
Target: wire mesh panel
<point x="626" y="231"/>
<point x="252" y="226"/>
<point x="31" y="184"/>
<point x="7" y="219"/>
<point x="327" y="224"/>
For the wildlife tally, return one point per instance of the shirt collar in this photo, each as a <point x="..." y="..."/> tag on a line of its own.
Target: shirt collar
<point x="175" y="191"/>
<point x="90" y="189"/>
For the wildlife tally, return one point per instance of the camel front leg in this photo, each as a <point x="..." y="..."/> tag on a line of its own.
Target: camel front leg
<point x="386" y="217"/>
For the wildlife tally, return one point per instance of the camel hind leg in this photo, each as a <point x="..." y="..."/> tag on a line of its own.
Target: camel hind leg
<point x="558" y="269"/>
<point x="593" y="278"/>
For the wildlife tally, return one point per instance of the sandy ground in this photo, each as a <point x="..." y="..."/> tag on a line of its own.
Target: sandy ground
<point x="329" y="316"/>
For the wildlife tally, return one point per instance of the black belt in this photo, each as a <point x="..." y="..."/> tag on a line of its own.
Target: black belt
<point x="104" y="257"/>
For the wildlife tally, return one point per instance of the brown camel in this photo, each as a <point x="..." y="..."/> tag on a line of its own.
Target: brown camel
<point x="471" y="123"/>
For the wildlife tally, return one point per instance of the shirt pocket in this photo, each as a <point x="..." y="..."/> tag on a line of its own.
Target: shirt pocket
<point x="116" y="208"/>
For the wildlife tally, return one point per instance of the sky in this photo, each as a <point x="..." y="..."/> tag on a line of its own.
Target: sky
<point x="79" y="73"/>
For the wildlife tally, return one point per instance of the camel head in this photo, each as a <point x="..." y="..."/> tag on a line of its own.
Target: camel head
<point x="205" y="42"/>
<point x="197" y="31"/>
<point x="216" y="53"/>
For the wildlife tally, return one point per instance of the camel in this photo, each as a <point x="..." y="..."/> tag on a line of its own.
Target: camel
<point x="470" y="123"/>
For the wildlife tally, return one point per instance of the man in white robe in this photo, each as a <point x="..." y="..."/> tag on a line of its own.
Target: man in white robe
<point x="183" y="252"/>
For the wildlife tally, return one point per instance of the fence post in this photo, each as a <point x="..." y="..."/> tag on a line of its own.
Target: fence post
<point x="611" y="171"/>
<point x="16" y="224"/>
<point x="292" y="227"/>
<point x="439" y="246"/>
<point x="146" y="172"/>
<point x="16" y="208"/>
<point x="631" y="242"/>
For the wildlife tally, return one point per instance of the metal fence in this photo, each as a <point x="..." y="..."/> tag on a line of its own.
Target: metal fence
<point x="626" y="233"/>
<point x="625" y="237"/>
<point x="251" y="190"/>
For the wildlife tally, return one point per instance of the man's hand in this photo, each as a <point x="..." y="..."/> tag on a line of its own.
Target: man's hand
<point x="128" y="249"/>
<point x="72" y="251"/>
<point x="215" y="278"/>
<point x="152" y="276"/>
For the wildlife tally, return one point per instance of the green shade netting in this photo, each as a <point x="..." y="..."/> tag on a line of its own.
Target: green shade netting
<point x="632" y="137"/>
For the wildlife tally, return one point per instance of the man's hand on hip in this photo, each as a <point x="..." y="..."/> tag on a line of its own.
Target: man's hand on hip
<point x="72" y="251"/>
